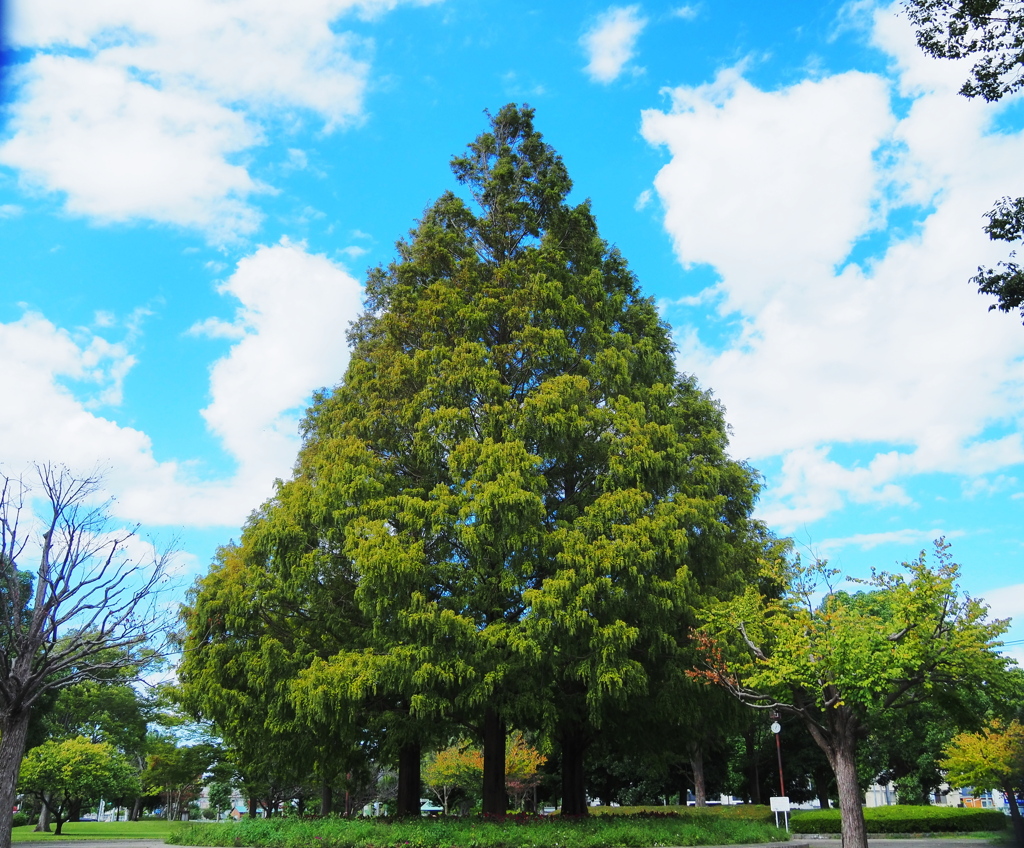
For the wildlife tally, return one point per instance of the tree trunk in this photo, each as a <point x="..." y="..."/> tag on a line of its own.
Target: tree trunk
<point x="495" y="799"/>
<point x="409" y="758"/>
<point x="821" y="787"/>
<point x="700" y="791"/>
<point x="136" y="810"/>
<point x="326" y="799"/>
<point x="13" y="732"/>
<point x="1015" y="817"/>
<point x="43" y="825"/>
<point x="753" y="777"/>
<point x="851" y="810"/>
<point x="574" y="788"/>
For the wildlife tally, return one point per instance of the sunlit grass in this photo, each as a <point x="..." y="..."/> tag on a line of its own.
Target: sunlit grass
<point x="97" y="830"/>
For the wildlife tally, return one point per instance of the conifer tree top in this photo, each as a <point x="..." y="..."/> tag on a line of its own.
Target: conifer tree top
<point x="518" y="180"/>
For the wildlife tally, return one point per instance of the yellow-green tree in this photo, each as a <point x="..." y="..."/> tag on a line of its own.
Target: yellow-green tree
<point x="837" y="662"/>
<point x="992" y="758"/>
<point x="64" y="773"/>
<point x="541" y="495"/>
<point x="460" y="767"/>
<point x="457" y="767"/>
<point x="522" y="762"/>
<point x="248" y="631"/>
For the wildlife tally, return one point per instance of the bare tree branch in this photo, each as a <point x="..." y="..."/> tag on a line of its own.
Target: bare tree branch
<point x="59" y="619"/>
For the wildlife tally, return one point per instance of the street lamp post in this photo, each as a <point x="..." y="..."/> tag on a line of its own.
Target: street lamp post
<point x="776" y="727"/>
<point x="780" y="804"/>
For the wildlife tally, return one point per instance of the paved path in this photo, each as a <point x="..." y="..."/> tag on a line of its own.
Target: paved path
<point x="951" y="842"/>
<point x="797" y="842"/>
<point x="94" y="843"/>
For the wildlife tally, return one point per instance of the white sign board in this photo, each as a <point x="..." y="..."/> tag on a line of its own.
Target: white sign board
<point x="780" y="805"/>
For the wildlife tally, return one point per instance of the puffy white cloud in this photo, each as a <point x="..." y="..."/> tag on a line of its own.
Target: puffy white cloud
<point x="120" y="149"/>
<point x="290" y="340"/>
<point x="610" y="42"/>
<point x="139" y="110"/>
<point x="887" y="348"/>
<point x="777" y="175"/>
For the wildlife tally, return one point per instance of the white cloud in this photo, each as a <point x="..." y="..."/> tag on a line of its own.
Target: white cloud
<point x="139" y="110"/>
<point x="290" y="340"/>
<point x="687" y="13"/>
<point x="765" y="165"/>
<point x="610" y="42"/>
<point x="121" y="149"/>
<point x="895" y="352"/>
<point x="1006" y="601"/>
<point x="908" y="538"/>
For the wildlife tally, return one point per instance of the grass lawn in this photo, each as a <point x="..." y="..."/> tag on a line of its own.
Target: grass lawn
<point x="97" y="830"/>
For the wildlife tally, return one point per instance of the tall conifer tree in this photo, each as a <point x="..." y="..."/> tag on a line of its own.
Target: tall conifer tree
<point x="540" y="494"/>
<point x="525" y="496"/>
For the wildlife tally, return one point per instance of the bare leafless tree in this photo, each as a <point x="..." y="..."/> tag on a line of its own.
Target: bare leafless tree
<point x="70" y="590"/>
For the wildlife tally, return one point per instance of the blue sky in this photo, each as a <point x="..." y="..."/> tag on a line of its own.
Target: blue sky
<point x="191" y="193"/>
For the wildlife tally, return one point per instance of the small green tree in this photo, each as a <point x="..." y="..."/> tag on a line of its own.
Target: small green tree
<point x="176" y="772"/>
<point x="992" y="758"/>
<point x="72" y="771"/>
<point x="219" y="794"/>
<point x="838" y="663"/>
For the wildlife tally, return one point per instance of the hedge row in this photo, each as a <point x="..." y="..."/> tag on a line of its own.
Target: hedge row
<point x="903" y="819"/>
<point x="739" y="812"/>
<point x="602" y="831"/>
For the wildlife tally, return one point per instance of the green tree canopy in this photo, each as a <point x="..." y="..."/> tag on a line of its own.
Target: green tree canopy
<point x="839" y="663"/>
<point x="64" y="772"/>
<point x="247" y="633"/>
<point x="992" y="758"/>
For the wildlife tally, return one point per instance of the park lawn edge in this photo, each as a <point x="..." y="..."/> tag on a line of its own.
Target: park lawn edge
<point x="86" y="831"/>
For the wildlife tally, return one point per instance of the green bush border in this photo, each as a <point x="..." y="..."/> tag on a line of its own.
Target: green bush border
<point x="903" y="818"/>
<point x="623" y="830"/>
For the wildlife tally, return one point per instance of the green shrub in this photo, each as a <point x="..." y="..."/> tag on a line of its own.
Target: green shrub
<point x="21" y="819"/>
<point x="740" y="812"/>
<point x="636" y="830"/>
<point x="902" y="818"/>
